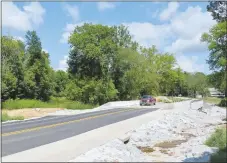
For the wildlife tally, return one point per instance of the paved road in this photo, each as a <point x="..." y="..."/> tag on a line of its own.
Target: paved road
<point x="24" y="135"/>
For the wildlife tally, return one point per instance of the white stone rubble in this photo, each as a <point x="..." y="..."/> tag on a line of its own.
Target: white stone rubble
<point x="183" y="123"/>
<point x="113" y="151"/>
<point x="107" y="106"/>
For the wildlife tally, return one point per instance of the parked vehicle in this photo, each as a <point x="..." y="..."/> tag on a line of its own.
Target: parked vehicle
<point x="147" y="100"/>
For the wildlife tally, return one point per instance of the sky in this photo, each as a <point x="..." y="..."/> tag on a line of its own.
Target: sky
<point x="174" y="27"/>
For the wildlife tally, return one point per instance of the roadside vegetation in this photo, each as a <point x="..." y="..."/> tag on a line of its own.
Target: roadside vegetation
<point x="218" y="139"/>
<point x="213" y="100"/>
<point x="52" y="103"/>
<point x="171" y="99"/>
<point x="6" y="117"/>
<point x="112" y="67"/>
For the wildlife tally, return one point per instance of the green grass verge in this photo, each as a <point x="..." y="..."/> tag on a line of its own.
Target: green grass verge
<point x="6" y="117"/>
<point x="172" y="99"/>
<point x="213" y="100"/>
<point x="218" y="139"/>
<point x="53" y="103"/>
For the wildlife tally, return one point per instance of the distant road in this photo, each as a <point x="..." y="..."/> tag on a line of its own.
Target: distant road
<point x="24" y="135"/>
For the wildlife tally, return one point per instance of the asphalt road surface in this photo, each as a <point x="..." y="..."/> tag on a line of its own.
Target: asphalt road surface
<point x="24" y="135"/>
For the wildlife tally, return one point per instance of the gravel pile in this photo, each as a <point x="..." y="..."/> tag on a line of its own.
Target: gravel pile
<point x="179" y="136"/>
<point x="113" y="151"/>
<point x="107" y="106"/>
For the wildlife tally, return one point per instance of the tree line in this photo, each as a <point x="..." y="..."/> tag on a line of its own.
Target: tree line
<point x="217" y="45"/>
<point x="104" y="64"/>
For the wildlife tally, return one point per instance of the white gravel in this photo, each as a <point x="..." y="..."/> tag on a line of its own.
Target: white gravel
<point x="107" y="106"/>
<point x="113" y="151"/>
<point x="183" y="119"/>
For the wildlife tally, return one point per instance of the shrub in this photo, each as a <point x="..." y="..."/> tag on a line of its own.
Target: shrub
<point x="218" y="139"/>
<point x="91" y="91"/>
<point x="223" y="102"/>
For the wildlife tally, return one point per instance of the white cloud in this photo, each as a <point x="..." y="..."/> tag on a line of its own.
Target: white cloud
<point x="149" y="34"/>
<point x="35" y="12"/>
<point x="73" y="11"/>
<point x="46" y="51"/>
<point x="169" y="11"/>
<point x="105" y="5"/>
<point x="190" y="23"/>
<point x="190" y="64"/>
<point x="19" y="38"/>
<point x="181" y="46"/>
<point x="63" y="64"/>
<point x="181" y="35"/>
<point x="22" y="20"/>
<point x="68" y="30"/>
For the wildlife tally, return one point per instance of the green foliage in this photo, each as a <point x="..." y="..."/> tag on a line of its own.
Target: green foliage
<point x="218" y="139"/>
<point x="104" y="64"/>
<point x="217" y="43"/>
<point x="72" y="91"/>
<point x="92" y="51"/>
<point x="197" y="84"/>
<point x="218" y="10"/>
<point x="213" y="100"/>
<point x="60" y="81"/>
<point x="12" y="68"/>
<point x="223" y="102"/>
<point x="53" y="103"/>
<point x="216" y="39"/>
<point x="6" y="117"/>
<point x="24" y="103"/>
<point x="91" y="91"/>
<point x="38" y="79"/>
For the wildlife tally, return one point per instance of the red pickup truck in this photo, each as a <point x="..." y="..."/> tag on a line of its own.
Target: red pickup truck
<point x="147" y="100"/>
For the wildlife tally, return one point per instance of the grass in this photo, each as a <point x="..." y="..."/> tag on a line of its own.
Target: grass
<point x="218" y="139"/>
<point x="53" y="103"/>
<point x="6" y="117"/>
<point x="213" y="100"/>
<point x="172" y="99"/>
<point x="176" y="99"/>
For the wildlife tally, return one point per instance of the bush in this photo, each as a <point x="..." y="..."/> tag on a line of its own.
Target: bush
<point x="6" y="117"/>
<point x="91" y="91"/>
<point x="218" y="139"/>
<point x="223" y="102"/>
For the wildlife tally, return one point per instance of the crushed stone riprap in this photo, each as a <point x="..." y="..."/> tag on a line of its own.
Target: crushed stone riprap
<point x="178" y="136"/>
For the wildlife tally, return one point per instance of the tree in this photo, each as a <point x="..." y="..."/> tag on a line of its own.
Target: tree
<point x="12" y="68"/>
<point x="217" y="41"/>
<point x="60" y="81"/>
<point x="218" y="10"/>
<point x="38" y="71"/>
<point x="197" y="84"/>
<point x="93" y="50"/>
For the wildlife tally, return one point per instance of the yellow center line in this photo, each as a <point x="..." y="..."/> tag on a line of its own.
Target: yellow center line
<point x="62" y="123"/>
